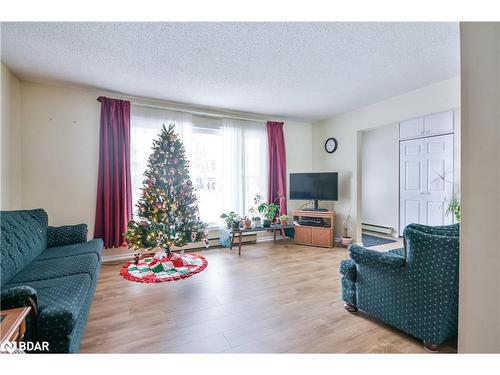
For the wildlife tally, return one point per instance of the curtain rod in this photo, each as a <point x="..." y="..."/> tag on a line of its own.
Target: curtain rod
<point x="206" y="113"/>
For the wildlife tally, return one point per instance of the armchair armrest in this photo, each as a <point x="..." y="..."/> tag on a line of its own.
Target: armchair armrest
<point x="366" y="256"/>
<point x="66" y="235"/>
<point x="348" y="269"/>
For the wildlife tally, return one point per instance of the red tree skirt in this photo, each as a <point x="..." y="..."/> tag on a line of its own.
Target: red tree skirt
<point x="153" y="270"/>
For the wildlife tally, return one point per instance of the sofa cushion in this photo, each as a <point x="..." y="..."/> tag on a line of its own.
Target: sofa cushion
<point x="66" y="235"/>
<point x="91" y="247"/>
<point x="60" y="301"/>
<point x="23" y="238"/>
<point x="58" y="267"/>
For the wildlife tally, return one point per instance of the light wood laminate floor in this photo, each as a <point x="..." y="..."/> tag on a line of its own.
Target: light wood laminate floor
<point x="272" y="299"/>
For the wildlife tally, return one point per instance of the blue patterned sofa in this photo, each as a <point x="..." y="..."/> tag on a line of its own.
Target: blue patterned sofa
<point x="52" y="269"/>
<point x="414" y="288"/>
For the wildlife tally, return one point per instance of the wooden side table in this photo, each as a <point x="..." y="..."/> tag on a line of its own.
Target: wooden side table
<point x="274" y="227"/>
<point x="13" y="324"/>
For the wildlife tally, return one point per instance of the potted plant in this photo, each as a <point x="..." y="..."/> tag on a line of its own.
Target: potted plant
<point x="284" y="219"/>
<point x="256" y="222"/>
<point x="267" y="210"/>
<point x="454" y="208"/>
<point x="232" y="219"/>
<point x="346" y="239"/>
<point x="247" y="223"/>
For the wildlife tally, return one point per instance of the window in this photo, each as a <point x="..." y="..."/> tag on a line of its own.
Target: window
<point x="227" y="158"/>
<point x="206" y="160"/>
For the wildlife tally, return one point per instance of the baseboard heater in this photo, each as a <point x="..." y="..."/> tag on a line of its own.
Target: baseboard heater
<point x="377" y="228"/>
<point x="215" y="242"/>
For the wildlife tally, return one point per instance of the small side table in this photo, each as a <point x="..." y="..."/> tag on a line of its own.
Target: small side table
<point x="13" y="324"/>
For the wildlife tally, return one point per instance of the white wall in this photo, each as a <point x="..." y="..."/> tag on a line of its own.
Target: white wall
<point x="479" y="302"/>
<point x="380" y="176"/>
<point x="60" y="139"/>
<point x="10" y="144"/>
<point x="346" y="128"/>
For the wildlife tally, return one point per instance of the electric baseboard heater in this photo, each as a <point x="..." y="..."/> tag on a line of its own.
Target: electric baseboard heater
<point x="377" y="228"/>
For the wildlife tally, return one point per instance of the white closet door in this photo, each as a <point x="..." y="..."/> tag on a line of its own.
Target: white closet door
<point x="411" y="182"/>
<point x="423" y="194"/>
<point x="439" y="123"/>
<point x="411" y="128"/>
<point x="439" y="163"/>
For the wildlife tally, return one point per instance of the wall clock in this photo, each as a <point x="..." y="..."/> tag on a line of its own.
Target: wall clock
<point x="331" y="145"/>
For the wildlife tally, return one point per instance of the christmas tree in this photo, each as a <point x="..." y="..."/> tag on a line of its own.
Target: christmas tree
<point x="167" y="209"/>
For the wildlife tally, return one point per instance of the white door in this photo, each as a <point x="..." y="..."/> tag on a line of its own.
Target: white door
<point x="423" y="193"/>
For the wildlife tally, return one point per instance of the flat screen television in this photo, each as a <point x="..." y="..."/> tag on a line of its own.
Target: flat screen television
<point x="314" y="186"/>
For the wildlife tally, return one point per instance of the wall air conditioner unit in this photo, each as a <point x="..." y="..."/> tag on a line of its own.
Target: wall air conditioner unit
<point x="377" y="229"/>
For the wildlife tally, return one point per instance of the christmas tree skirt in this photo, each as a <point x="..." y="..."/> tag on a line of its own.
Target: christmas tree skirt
<point x="157" y="270"/>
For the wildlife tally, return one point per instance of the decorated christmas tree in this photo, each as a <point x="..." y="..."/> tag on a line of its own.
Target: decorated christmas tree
<point x="167" y="210"/>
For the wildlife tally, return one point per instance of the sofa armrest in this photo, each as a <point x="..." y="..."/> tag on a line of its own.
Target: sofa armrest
<point x="22" y="296"/>
<point x="66" y="235"/>
<point x="366" y="256"/>
<point x="18" y="296"/>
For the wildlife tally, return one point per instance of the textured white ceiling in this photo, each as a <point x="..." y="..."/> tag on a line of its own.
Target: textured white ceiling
<point x="299" y="70"/>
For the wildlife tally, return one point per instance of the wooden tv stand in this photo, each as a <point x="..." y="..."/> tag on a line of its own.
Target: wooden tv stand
<point x="314" y="235"/>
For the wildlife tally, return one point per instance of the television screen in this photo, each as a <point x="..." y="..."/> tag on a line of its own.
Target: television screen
<point x="321" y="186"/>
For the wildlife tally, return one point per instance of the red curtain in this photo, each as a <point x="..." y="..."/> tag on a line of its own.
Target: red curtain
<point x="114" y="191"/>
<point x="277" y="165"/>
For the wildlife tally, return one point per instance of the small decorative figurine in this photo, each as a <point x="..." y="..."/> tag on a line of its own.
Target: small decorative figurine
<point x="137" y="257"/>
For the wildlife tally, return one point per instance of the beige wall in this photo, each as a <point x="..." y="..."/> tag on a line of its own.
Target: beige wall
<point x="10" y="144"/>
<point x="479" y="302"/>
<point x="348" y="127"/>
<point x="60" y="138"/>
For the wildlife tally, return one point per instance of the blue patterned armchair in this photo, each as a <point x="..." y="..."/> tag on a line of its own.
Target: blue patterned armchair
<point x="414" y="289"/>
